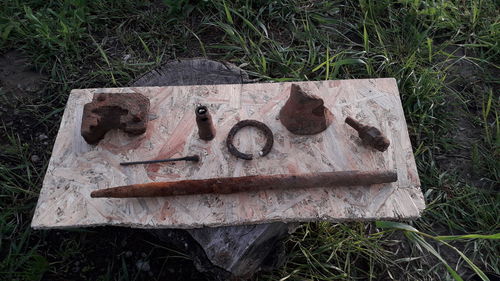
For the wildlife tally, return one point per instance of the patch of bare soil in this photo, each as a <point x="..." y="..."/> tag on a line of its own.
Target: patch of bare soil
<point x="84" y="254"/>
<point x="16" y="76"/>
<point x="463" y="77"/>
<point x="21" y="89"/>
<point x="111" y="251"/>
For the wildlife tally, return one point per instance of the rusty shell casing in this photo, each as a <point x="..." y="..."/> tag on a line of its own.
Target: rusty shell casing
<point x="206" y="129"/>
<point x="248" y="183"/>
<point x="369" y="135"/>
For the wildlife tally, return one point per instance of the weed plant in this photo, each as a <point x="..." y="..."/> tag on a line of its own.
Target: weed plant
<point x="443" y="54"/>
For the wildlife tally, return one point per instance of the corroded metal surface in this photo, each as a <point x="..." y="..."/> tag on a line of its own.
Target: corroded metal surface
<point x="304" y="113"/>
<point x="249" y="123"/>
<point x="248" y="183"/>
<point x="369" y="135"/>
<point x="206" y="129"/>
<point x="125" y="111"/>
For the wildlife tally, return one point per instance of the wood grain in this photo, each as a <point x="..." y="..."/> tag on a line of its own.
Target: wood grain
<point x="76" y="168"/>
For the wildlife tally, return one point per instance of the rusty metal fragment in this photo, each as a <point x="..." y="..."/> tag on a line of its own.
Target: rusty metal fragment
<point x="250" y="123"/>
<point x="248" y="183"/>
<point x="107" y="111"/>
<point x="304" y="113"/>
<point x="206" y="129"/>
<point x="369" y="135"/>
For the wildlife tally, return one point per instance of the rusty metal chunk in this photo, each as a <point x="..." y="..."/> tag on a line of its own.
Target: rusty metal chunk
<point x="206" y="129"/>
<point x="369" y="135"/>
<point x="125" y="111"/>
<point x="304" y="113"/>
<point x="248" y="183"/>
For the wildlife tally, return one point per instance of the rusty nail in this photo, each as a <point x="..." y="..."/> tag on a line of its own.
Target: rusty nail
<point x="249" y="123"/>
<point x="249" y="183"/>
<point x="194" y="158"/>
<point x="369" y="135"/>
<point x="206" y="129"/>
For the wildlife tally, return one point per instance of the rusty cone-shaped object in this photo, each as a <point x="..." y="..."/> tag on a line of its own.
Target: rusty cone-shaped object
<point x="248" y="183"/>
<point x="206" y="129"/>
<point x="304" y="113"/>
<point x="369" y="135"/>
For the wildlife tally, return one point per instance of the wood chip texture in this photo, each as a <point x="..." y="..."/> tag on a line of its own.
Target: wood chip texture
<point x="77" y="168"/>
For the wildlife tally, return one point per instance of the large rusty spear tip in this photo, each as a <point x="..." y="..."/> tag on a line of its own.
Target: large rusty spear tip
<point x="369" y="135"/>
<point x="248" y="183"/>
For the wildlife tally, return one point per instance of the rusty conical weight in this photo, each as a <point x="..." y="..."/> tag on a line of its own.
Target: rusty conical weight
<point x="304" y="113"/>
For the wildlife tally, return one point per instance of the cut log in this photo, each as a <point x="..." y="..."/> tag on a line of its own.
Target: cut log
<point x="232" y="252"/>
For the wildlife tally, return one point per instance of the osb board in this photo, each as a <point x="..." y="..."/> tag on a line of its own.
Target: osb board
<point x="76" y="168"/>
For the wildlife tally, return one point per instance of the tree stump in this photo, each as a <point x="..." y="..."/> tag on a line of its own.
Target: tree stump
<point x="223" y="253"/>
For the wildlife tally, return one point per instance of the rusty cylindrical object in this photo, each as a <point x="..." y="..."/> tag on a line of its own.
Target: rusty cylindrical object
<point x="206" y="129"/>
<point x="248" y="183"/>
<point x="369" y="135"/>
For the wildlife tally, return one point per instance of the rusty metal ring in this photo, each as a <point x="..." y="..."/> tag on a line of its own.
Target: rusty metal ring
<point x="250" y="123"/>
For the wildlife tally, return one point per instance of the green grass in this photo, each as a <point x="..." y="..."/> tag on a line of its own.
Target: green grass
<point x="443" y="54"/>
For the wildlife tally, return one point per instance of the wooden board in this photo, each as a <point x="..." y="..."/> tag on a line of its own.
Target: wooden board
<point x="76" y="168"/>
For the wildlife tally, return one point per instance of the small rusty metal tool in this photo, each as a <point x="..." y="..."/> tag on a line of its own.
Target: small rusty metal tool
<point x="194" y="158"/>
<point x="369" y="135"/>
<point x="206" y="129"/>
<point x="249" y="123"/>
<point x="248" y="183"/>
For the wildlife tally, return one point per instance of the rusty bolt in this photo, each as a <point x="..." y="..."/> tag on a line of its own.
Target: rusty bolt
<point x="369" y="135"/>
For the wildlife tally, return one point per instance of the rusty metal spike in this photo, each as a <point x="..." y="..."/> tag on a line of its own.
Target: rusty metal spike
<point x="248" y="183"/>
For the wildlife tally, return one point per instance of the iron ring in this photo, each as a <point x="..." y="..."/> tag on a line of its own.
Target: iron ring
<point x="250" y="123"/>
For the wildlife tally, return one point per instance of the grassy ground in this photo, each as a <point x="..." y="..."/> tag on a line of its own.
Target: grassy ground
<point x="444" y="55"/>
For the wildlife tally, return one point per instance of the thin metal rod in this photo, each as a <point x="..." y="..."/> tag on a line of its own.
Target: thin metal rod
<point x="194" y="158"/>
<point x="248" y="183"/>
